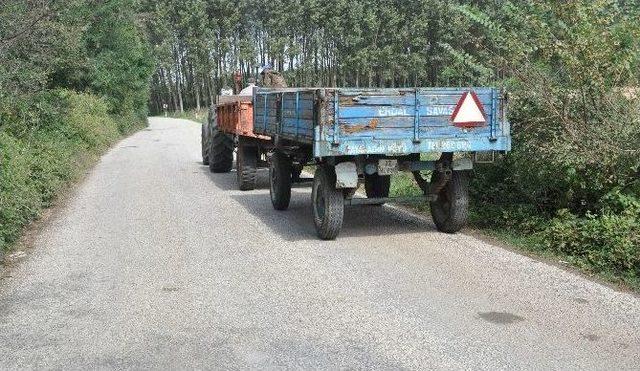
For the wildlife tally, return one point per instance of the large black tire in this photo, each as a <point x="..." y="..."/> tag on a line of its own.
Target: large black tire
<point x="280" y="180"/>
<point x="220" y="152"/>
<point x="327" y="203"/>
<point x="204" y="140"/>
<point x="246" y="165"/>
<point x="451" y="209"/>
<point x="377" y="185"/>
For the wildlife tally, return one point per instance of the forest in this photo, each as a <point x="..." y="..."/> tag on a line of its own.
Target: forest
<point x="569" y="188"/>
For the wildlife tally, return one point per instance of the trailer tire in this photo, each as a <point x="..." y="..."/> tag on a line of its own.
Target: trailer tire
<point x="280" y="180"/>
<point x="376" y="185"/>
<point x="327" y="203"/>
<point x="451" y="209"/>
<point x="220" y="152"/>
<point x="205" y="145"/>
<point x="246" y="166"/>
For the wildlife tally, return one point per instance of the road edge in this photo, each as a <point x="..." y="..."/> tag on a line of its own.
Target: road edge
<point x="19" y="250"/>
<point x="493" y="241"/>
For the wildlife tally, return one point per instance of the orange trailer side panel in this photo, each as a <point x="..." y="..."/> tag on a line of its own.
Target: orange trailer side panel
<point x="236" y="117"/>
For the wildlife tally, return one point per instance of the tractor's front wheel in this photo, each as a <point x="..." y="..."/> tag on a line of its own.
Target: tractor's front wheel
<point x="377" y="186"/>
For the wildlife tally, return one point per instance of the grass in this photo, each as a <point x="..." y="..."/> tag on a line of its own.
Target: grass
<point x="193" y="115"/>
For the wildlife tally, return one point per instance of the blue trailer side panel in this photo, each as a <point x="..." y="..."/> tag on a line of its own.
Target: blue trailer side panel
<point x="341" y="122"/>
<point x="288" y="113"/>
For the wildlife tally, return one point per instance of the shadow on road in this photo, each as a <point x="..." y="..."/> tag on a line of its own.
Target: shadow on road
<point x="296" y="223"/>
<point x="228" y="182"/>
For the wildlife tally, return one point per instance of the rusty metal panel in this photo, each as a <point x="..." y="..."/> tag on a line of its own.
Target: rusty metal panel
<point x="235" y="116"/>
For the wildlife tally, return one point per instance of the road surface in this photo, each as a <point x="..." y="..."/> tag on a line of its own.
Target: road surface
<point x="156" y="263"/>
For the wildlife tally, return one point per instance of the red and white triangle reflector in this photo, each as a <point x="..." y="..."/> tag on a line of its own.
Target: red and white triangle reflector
<point x="469" y="112"/>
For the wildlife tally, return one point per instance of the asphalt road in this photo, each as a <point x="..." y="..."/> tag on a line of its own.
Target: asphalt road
<point x="156" y="263"/>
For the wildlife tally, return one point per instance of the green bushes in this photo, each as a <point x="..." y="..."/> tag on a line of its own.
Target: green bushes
<point x="73" y="79"/>
<point x="44" y="144"/>
<point x="571" y="183"/>
<point x="606" y="243"/>
<point x="19" y="199"/>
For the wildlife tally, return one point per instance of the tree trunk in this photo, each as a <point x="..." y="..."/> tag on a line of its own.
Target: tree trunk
<point x="196" y="87"/>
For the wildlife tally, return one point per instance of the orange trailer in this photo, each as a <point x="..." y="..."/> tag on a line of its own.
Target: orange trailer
<point x="235" y="116"/>
<point x="229" y="127"/>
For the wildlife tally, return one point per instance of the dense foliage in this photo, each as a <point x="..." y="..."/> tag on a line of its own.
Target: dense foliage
<point x="573" y="179"/>
<point x="73" y="78"/>
<point x="572" y="69"/>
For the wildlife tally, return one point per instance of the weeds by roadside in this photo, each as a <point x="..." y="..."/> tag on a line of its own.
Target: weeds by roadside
<point x="193" y="115"/>
<point x="66" y="134"/>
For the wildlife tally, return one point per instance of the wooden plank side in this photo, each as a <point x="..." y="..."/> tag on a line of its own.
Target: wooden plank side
<point x="304" y="104"/>
<point x="397" y="122"/>
<point x="407" y="133"/>
<point x="394" y="111"/>
<point x="391" y="113"/>
<point x="231" y="99"/>
<point x="409" y="99"/>
<point x="304" y="114"/>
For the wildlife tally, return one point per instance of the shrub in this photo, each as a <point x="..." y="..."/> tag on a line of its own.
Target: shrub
<point x="19" y="197"/>
<point x="44" y="144"/>
<point x="48" y="129"/>
<point x="572" y="177"/>
<point x="607" y="243"/>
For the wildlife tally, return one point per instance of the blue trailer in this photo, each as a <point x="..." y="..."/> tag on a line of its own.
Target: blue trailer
<point x="363" y="136"/>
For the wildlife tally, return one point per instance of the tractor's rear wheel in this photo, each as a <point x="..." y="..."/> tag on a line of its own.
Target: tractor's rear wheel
<point x="204" y="141"/>
<point x="220" y="152"/>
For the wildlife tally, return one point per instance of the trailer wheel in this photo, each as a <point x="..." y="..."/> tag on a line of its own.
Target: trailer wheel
<point x="328" y="203"/>
<point x="451" y="209"/>
<point x="280" y="180"/>
<point x="205" y="145"/>
<point x="246" y="166"/>
<point x="377" y="185"/>
<point x="220" y="152"/>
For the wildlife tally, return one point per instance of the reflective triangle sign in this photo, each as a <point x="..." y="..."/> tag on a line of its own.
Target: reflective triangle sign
<point x="469" y="112"/>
